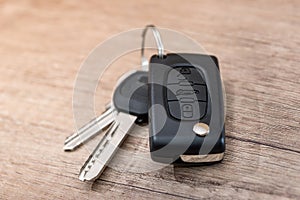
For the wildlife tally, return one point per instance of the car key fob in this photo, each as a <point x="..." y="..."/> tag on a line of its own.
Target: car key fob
<point x="186" y="109"/>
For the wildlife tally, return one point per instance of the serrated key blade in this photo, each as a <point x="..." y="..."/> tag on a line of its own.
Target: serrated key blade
<point x="90" y="130"/>
<point x="107" y="147"/>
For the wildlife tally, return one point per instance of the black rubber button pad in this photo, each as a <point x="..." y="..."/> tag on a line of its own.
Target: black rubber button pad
<point x="176" y="92"/>
<point x="190" y="74"/>
<point x="188" y="110"/>
<point x="186" y="94"/>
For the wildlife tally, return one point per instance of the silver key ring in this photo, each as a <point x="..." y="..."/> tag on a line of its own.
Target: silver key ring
<point x="159" y="44"/>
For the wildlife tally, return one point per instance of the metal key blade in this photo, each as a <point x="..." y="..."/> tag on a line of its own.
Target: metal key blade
<point x="107" y="147"/>
<point x="90" y="130"/>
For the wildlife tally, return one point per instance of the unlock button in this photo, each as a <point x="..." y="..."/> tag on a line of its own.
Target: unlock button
<point x="187" y="110"/>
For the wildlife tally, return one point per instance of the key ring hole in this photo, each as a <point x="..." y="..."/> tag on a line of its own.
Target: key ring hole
<point x="164" y="56"/>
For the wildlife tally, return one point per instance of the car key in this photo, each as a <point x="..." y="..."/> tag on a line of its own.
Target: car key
<point x="189" y="88"/>
<point x="90" y="130"/>
<point x="135" y="89"/>
<point x="130" y="105"/>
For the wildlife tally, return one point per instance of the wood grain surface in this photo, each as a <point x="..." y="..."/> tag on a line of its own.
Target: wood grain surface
<point x="43" y="43"/>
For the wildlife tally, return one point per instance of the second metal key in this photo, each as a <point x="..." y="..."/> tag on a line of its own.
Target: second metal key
<point x="129" y="105"/>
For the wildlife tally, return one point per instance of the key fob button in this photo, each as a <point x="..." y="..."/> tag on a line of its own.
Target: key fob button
<point x="180" y="74"/>
<point x="176" y="92"/>
<point x="185" y="110"/>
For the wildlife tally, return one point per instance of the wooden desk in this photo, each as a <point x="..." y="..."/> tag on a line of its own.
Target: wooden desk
<point x="42" y="44"/>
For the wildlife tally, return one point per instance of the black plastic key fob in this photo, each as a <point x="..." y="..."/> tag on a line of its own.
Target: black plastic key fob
<point x="131" y="95"/>
<point x="186" y="109"/>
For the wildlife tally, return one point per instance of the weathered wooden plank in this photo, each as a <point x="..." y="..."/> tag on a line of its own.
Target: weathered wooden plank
<point x="42" y="44"/>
